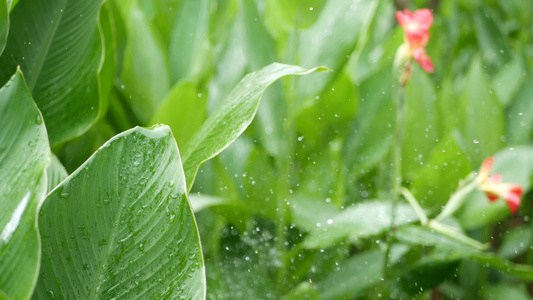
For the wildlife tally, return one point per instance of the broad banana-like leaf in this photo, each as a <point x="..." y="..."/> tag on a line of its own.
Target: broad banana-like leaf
<point x="24" y="156"/>
<point x="121" y="227"/>
<point x="58" y="47"/>
<point x="233" y="116"/>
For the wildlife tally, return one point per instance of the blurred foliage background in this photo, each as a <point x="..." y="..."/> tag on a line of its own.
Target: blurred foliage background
<point x="297" y="207"/>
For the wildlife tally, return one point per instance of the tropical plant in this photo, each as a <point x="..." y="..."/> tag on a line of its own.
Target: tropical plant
<point x="266" y="149"/>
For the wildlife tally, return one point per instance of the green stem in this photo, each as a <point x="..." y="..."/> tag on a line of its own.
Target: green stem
<point x="456" y="200"/>
<point x="400" y="106"/>
<point x="284" y="164"/>
<point x="456" y="235"/>
<point x="416" y="207"/>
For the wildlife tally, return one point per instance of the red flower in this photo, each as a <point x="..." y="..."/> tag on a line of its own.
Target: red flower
<point x="416" y="27"/>
<point x="494" y="188"/>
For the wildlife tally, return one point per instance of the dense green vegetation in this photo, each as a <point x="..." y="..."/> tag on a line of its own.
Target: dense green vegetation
<point x="264" y="149"/>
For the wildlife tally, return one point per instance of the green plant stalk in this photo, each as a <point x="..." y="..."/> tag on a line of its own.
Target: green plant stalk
<point x="414" y="204"/>
<point x="399" y="124"/>
<point x="456" y="235"/>
<point x="456" y="200"/>
<point x="284" y="163"/>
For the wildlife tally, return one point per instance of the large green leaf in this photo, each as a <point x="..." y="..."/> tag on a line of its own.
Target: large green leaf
<point x="233" y="116"/>
<point x="24" y="156"/>
<point x="58" y="47"/>
<point x="121" y="226"/>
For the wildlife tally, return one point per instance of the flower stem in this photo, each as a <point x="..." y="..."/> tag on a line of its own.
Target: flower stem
<point x="456" y="200"/>
<point x="456" y="235"/>
<point x="399" y="102"/>
<point x="414" y="204"/>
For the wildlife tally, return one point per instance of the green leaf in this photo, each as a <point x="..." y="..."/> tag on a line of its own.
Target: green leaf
<point x="353" y="276"/>
<point x="482" y="119"/>
<point x="524" y="272"/>
<point x="4" y="24"/>
<point x="200" y="202"/>
<point x="183" y="109"/>
<point x="427" y="273"/>
<point x="370" y="136"/>
<point x="60" y="51"/>
<point x="188" y="40"/>
<point x="492" y="42"/>
<point x="233" y="116"/>
<point x="24" y="156"/>
<point x="516" y="166"/>
<point x="56" y="173"/>
<point x="132" y="236"/>
<point x="261" y="50"/>
<point x="507" y="291"/>
<point x="520" y="115"/>
<point x="328" y="226"/>
<point x="145" y="73"/>
<point x="356" y="274"/>
<point x="418" y="235"/>
<point x="329" y="42"/>
<point x="107" y="69"/>
<point x="508" y="81"/>
<point x="421" y="132"/>
<point x="438" y="178"/>
<point x="516" y="241"/>
<point x="304" y="290"/>
<point x="326" y="116"/>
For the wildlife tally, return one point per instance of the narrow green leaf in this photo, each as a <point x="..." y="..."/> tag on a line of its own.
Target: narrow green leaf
<point x="515" y="242"/>
<point x="233" y="116"/>
<point x="261" y="50"/>
<point x="183" y="109"/>
<point x="58" y="47"/>
<point x="353" y="276"/>
<point x="4" y="24"/>
<point x="492" y="42"/>
<point x="439" y="176"/>
<point x="56" y="173"/>
<point x="508" y="81"/>
<point x="524" y="272"/>
<point x="421" y="133"/>
<point x="424" y="236"/>
<point x="132" y="237"/>
<point x="145" y="72"/>
<point x="24" y="156"/>
<point x="107" y="68"/>
<point x="328" y="226"/>
<point x="370" y="135"/>
<point x="188" y="40"/>
<point x="482" y="119"/>
<point x="427" y="273"/>
<point x="329" y="42"/>
<point x="520" y="115"/>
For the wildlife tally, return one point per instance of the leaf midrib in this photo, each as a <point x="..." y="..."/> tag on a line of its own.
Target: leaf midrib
<point x="39" y="61"/>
